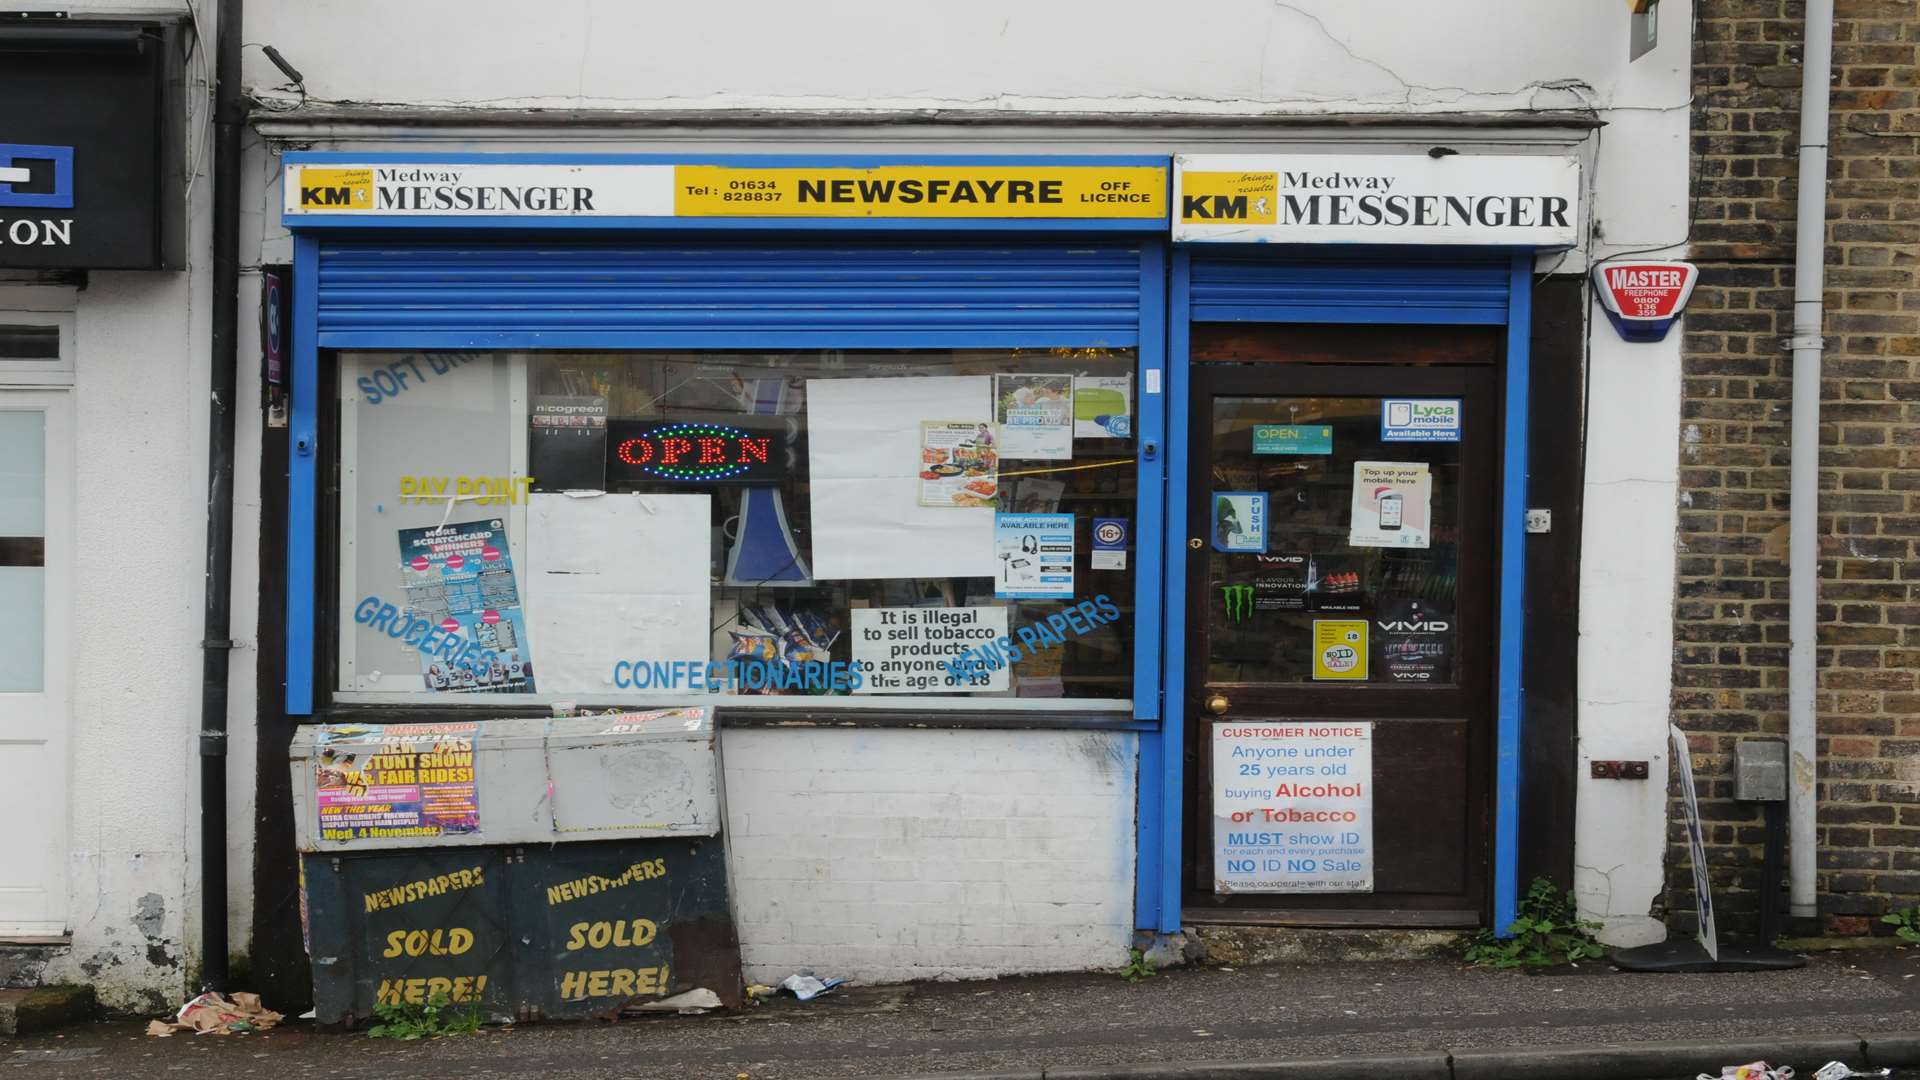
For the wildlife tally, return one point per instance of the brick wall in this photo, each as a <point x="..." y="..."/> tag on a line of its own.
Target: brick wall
<point x="1730" y="651"/>
<point x="889" y="855"/>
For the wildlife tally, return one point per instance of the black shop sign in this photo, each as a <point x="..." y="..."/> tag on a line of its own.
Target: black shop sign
<point x="565" y="931"/>
<point x="91" y="146"/>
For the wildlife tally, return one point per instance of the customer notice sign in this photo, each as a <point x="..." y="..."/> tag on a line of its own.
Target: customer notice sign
<point x="1530" y="200"/>
<point x="617" y="189"/>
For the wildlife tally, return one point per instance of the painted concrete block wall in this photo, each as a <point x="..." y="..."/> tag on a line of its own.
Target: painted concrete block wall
<point x="140" y="411"/>
<point x="1104" y="55"/>
<point x="885" y="855"/>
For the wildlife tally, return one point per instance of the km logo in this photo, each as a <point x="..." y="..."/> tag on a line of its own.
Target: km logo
<point x="1228" y="197"/>
<point x="1239" y="601"/>
<point x="336" y="189"/>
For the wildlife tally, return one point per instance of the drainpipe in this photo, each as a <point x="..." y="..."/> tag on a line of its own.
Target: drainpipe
<point x="216" y="647"/>
<point x="1810" y="246"/>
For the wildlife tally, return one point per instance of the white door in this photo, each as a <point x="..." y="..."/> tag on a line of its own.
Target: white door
<point x="36" y="590"/>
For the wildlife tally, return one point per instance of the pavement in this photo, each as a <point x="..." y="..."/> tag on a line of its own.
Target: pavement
<point x="1437" y="1019"/>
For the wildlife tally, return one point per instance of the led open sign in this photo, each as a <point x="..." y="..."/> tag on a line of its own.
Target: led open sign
<point x="694" y="453"/>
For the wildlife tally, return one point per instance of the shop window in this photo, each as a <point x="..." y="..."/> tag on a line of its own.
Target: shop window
<point x="920" y="529"/>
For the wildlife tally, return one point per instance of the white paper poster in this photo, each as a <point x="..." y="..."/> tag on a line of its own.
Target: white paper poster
<point x="863" y="456"/>
<point x="1292" y="807"/>
<point x="1035" y="552"/>
<point x="904" y="650"/>
<point x="1103" y="406"/>
<point x="616" y="577"/>
<point x="1035" y="414"/>
<point x="1392" y="504"/>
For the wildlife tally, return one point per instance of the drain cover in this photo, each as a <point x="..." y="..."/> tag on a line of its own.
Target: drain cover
<point x="71" y="1053"/>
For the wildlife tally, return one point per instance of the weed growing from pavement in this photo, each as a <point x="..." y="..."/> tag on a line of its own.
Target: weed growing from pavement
<point x="1137" y="967"/>
<point x="1549" y="931"/>
<point x="1908" y="920"/>
<point x="434" y="1019"/>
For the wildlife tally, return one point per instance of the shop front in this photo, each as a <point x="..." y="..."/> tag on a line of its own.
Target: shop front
<point x="1069" y="545"/>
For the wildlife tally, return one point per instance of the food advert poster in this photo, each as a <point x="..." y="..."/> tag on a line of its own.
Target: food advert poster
<point x="1035" y="552"/>
<point x="1292" y="807"/>
<point x="1035" y="414"/>
<point x="1103" y="406"/>
<point x="1392" y="505"/>
<point x="1340" y="649"/>
<point x="1240" y="521"/>
<point x="905" y="650"/>
<point x="959" y="464"/>
<point x="381" y="781"/>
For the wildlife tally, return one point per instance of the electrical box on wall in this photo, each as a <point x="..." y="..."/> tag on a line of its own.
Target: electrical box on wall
<point x="1760" y="770"/>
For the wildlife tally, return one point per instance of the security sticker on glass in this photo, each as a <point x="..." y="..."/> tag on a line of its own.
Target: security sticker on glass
<point x="1240" y="521"/>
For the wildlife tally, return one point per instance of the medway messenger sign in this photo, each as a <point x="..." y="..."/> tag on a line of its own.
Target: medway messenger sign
<point x="640" y="190"/>
<point x="1461" y="199"/>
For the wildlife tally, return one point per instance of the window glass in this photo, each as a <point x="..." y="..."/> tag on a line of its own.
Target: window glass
<point x="23" y="529"/>
<point x="774" y="525"/>
<point x="1334" y="553"/>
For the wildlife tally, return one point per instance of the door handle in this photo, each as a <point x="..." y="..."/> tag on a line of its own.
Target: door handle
<point x="1218" y="705"/>
<point x="1195" y="543"/>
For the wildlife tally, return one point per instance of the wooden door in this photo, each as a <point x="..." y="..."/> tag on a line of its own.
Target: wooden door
<point x="1402" y="573"/>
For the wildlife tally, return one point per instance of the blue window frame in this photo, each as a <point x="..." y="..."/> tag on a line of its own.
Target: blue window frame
<point x="357" y="285"/>
<point x="1380" y="287"/>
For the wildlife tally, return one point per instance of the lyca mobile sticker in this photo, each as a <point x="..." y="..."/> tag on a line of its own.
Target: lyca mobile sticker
<point x="1420" y="420"/>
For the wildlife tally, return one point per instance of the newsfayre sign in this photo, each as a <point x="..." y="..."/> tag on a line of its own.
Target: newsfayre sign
<point x="91" y="126"/>
<point x="1461" y="199"/>
<point x="933" y="190"/>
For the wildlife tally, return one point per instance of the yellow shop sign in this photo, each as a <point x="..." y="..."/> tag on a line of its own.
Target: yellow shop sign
<point x="921" y="191"/>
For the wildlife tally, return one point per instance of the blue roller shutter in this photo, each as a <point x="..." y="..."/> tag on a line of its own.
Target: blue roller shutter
<point x="1256" y="289"/>
<point x="533" y="293"/>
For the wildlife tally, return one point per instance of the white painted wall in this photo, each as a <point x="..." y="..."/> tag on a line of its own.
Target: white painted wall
<point x="1105" y="55"/>
<point x="140" y="370"/>
<point x="889" y="855"/>
<point x="140" y="398"/>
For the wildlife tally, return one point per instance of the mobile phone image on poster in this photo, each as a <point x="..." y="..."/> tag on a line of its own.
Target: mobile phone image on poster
<point x="1035" y="414"/>
<point x="1392" y="504"/>
<point x="1240" y="521"/>
<point x="959" y="464"/>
